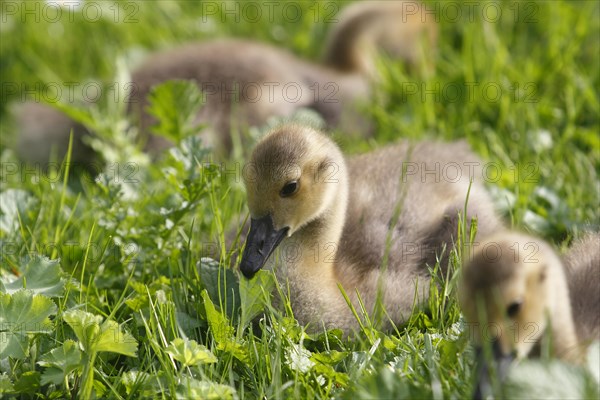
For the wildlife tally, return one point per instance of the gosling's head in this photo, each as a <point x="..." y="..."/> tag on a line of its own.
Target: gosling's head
<point x="506" y="296"/>
<point x="293" y="177"/>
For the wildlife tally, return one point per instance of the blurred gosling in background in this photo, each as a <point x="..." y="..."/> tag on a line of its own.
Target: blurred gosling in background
<point x="245" y="82"/>
<point x="516" y="291"/>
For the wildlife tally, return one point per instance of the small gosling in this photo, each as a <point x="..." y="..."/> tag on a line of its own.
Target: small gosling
<point x="515" y="291"/>
<point x="371" y="223"/>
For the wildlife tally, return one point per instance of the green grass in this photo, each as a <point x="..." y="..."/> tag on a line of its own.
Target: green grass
<point x="130" y="243"/>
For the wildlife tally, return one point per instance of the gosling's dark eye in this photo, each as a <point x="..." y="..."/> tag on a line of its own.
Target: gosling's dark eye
<point x="513" y="309"/>
<point x="289" y="189"/>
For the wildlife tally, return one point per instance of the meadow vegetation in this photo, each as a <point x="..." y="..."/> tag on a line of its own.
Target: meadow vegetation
<point x="106" y="286"/>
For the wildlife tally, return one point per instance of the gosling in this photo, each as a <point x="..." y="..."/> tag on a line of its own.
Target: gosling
<point x="514" y="294"/>
<point x="371" y="224"/>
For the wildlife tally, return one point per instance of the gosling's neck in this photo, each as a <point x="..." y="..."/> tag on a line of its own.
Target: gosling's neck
<point x="311" y="251"/>
<point x="347" y="49"/>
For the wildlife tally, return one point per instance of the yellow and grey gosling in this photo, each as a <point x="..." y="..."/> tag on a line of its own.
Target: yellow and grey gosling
<point x="336" y="221"/>
<point x="515" y="291"/>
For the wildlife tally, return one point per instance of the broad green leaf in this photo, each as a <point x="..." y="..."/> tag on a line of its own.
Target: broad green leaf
<point x="6" y="385"/>
<point x="99" y="389"/>
<point x="60" y="362"/>
<point x="86" y="327"/>
<point x="189" y="352"/>
<point x="96" y="336"/>
<point x="333" y="338"/>
<point x="21" y="314"/>
<point x="195" y="389"/>
<point x="254" y="294"/>
<point x="324" y="365"/>
<point x="221" y="285"/>
<point x="41" y="275"/>
<point x="29" y="383"/>
<point x="330" y="357"/>
<point x="137" y="302"/>
<point x="330" y="373"/>
<point x="13" y="203"/>
<point x="13" y="345"/>
<point x="223" y="331"/>
<point x="175" y="104"/>
<point x="114" y="339"/>
<point x="219" y="325"/>
<point x="186" y="323"/>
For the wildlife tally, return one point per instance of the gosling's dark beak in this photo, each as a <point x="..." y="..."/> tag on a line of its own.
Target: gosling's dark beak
<point x="262" y="240"/>
<point x="489" y="371"/>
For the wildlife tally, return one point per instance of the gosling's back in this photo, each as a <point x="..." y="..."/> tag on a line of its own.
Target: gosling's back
<point x="412" y="192"/>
